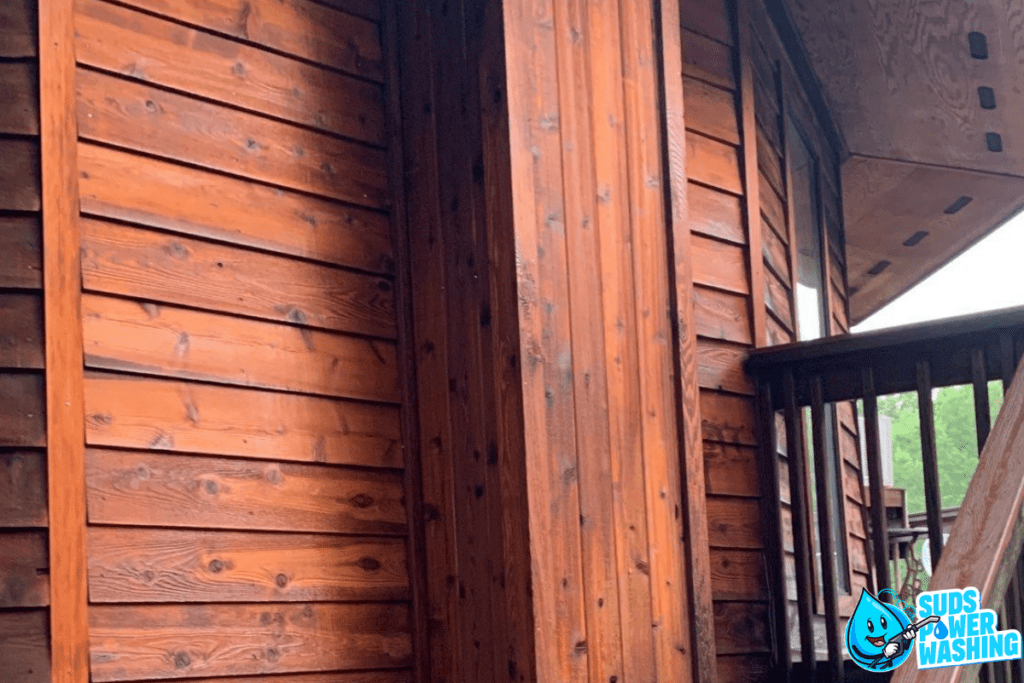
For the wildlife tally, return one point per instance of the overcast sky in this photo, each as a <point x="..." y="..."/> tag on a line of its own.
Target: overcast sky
<point x="986" y="277"/>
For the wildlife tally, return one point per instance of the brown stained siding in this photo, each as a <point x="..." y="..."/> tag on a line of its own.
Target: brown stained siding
<point x="243" y="396"/>
<point x="24" y="561"/>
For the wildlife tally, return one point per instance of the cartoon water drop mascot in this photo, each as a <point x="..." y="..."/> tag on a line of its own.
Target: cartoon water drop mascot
<point x="879" y="636"/>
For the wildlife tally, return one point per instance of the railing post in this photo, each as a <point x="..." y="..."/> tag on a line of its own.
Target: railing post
<point x="879" y="528"/>
<point x="825" y="494"/>
<point x="771" y="497"/>
<point x="929" y="460"/>
<point x="798" y="507"/>
<point x="982" y="412"/>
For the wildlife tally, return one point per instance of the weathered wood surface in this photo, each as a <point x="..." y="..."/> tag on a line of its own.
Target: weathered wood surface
<point x="19" y="29"/>
<point x="160" y="267"/>
<point x="132" y="488"/>
<point x="714" y="163"/>
<point x="720" y="265"/>
<point x="312" y="32"/>
<point x="391" y="676"/>
<point x="19" y="174"/>
<point x="715" y="214"/>
<point x="21" y="331"/>
<point x="22" y="410"/>
<point x="24" y="570"/>
<point x="174" y="342"/>
<point x="25" y="644"/>
<point x="163" y="566"/>
<point x="23" y="489"/>
<point x="148" y="642"/>
<point x="190" y="201"/>
<point x="156" y="51"/>
<point x="19" y="81"/>
<point x="721" y="315"/>
<point x="145" y="119"/>
<point x="21" y="245"/>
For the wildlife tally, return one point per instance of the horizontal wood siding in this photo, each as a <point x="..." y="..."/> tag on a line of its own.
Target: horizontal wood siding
<point x="24" y="558"/>
<point x="244" y="467"/>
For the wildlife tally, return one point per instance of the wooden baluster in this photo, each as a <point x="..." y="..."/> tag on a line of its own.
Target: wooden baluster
<point x="801" y="526"/>
<point x="930" y="462"/>
<point x="879" y="527"/>
<point x="825" y="495"/>
<point x="771" y="498"/>
<point x="982" y="412"/>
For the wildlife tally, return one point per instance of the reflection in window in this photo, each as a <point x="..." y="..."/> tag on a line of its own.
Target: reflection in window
<point x="812" y="323"/>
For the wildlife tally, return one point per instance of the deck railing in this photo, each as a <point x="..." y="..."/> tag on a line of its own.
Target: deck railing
<point x="970" y="350"/>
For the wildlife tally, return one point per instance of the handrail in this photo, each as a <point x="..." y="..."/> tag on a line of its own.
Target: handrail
<point x="985" y="542"/>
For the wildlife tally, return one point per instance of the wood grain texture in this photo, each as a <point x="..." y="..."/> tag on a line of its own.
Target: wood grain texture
<point x="711" y="111"/>
<point x="721" y="315"/>
<point x="149" y="489"/>
<point x="23" y="489"/>
<point x="25" y="643"/>
<point x="728" y="418"/>
<point x="158" y="565"/>
<point x="24" y="570"/>
<point x="19" y="81"/>
<point x="720" y="367"/>
<point x="19" y="174"/>
<point x="392" y="676"/>
<point x="21" y="244"/>
<point x="731" y="470"/>
<point x="301" y="28"/>
<point x="166" y="415"/>
<point x="151" y="642"/>
<point x="19" y="29"/>
<point x="713" y="163"/>
<point x="708" y="60"/>
<point x="120" y="260"/>
<point x="710" y="19"/>
<point x="720" y="265"/>
<point x="133" y="115"/>
<point x="22" y="410"/>
<point x="138" y="189"/>
<point x="173" y="342"/>
<point x="735" y="523"/>
<point x="738" y="575"/>
<point x="21" y="331"/>
<point x="159" y="52"/>
<point x="741" y="627"/>
<point x="715" y="214"/>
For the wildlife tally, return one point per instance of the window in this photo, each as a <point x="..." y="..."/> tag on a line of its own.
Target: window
<point x="812" y="323"/>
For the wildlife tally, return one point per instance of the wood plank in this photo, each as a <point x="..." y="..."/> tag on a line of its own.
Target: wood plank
<point x="19" y="30"/>
<point x="721" y="265"/>
<point x="147" y="642"/>
<point x="741" y="627"/>
<point x="743" y="668"/>
<point x="769" y="163"/>
<point x="200" y="418"/>
<point x="738" y="575"/>
<point x="711" y="111"/>
<point x="23" y="489"/>
<point x="715" y="214"/>
<point x="160" y="194"/>
<point x="173" y="342"/>
<point x="391" y="676"/>
<point x="775" y="252"/>
<point x="155" y="51"/>
<point x="168" y="268"/>
<point x="19" y="175"/>
<point x="772" y="207"/>
<point x="22" y="410"/>
<point x="159" y="565"/>
<point x="19" y="81"/>
<point x="777" y="334"/>
<point x="21" y="245"/>
<point x="777" y="300"/>
<point x="731" y="470"/>
<point x="708" y="60"/>
<point x="24" y="570"/>
<point x="735" y="523"/>
<point x="306" y="30"/>
<point x="21" y="331"/>
<point x="367" y="9"/>
<point x="710" y="19"/>
<point x="852" y="486"/>
<point x="721" y="315"/>
<point x="151" y="489"/>
<point x="713" y="163"/>
<point x="25" y="640"/>
<point x="720" y="367"/>
<point x="146" y="119"/>
<point x="727" y="418"/>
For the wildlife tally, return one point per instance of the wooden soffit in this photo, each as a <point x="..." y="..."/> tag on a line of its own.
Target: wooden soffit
<point x="927" y="97"/>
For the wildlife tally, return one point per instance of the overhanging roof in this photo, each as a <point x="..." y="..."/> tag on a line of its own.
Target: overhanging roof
<point x="927" y="97"/>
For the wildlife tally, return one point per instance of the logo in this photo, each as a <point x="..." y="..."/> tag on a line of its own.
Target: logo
<point x="951" y="630"/>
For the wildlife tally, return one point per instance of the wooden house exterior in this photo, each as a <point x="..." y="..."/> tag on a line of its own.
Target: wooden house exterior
<point x="360" y="341"/>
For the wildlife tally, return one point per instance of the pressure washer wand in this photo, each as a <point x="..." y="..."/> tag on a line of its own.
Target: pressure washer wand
<point x="911" y="631"/>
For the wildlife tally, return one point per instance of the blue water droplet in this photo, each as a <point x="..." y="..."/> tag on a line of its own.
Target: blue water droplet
<point x="940" y="631"/>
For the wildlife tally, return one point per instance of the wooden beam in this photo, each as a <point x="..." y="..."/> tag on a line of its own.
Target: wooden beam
<point x="879" y="528"/>
<point x="929" y="458"/>
<point x="65" y="413"/>
<point x="695" y="524"/>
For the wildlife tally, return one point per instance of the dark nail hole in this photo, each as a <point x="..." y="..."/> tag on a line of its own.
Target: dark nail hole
<point x="994" y="142"/>
<point x="879" y="267"/>
<point x="987" y="97"/>
<point x="914" y="239"/>
<point x="978" y="44"/>
<point x="958" y="204"/>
